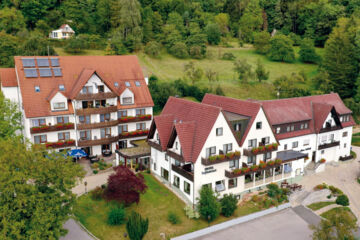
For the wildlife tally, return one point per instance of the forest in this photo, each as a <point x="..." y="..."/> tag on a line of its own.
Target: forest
<point x="186" y="29"/>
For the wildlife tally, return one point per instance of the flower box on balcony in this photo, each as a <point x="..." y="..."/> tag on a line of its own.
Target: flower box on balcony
<point x="65" y="143"/>
<point x="245" y="170"/>
<point x="271" y="163"/>
<point x="322" y="160"/>
<point x="262" y="164"/>
<point x="263" y="149"/>
<point x="134" y="133"/>
<point x="220" y="158"/>
<point x="278" y="161"/>
<point x="254" y="168"/>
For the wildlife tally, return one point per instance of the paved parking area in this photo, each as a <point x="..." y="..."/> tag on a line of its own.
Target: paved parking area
<point x="285" y="224"/>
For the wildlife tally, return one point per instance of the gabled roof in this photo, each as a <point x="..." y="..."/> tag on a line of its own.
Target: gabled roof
<point x="8" y="77"/>
<point x="321" y="111"/>
<point x="76" y="71"/>
<point x="192" y="122"/>
<point x="241" y="107"/>
<point x="53" y="93"/>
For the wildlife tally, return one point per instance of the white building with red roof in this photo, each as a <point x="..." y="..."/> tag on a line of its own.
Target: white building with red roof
<point x="64" y="32"/>
<point x="236" y="146"/>
<point x="97" y="103"/>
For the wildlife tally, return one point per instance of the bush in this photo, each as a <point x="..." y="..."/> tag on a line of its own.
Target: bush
<point x="75" y="45"/>
<point x="209" y="207"/>
<point x="262" y="42"/>
<point x="335" y="191"/>
<point x="321" y="186"/>
<point x="228" y="205"/>
<point x="179" y="50"/>
<point x="191" y="213"/>
<point x="95" y="171"/>
<point x="281" y="49"/>
<point x="342" y="200"/>
<point x="295" y="38"/>
<point x="173" y="218"/>
<point x="152" y="49"/>
<point x="228" y="56"/>
<point x="97" y="193"/>
<point x="213" y="33"/>
<point x="307" y="51"/>
<point x="116" y="216"/>
<point x="136" y="226"/>
<point x="196" y="52"/>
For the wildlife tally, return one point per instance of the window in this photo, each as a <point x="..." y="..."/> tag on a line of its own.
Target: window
<point x="105" y="132"/>
<point x="123" y="144"/>
<point x="154" y="166"/>
<point x="61" y="87"/>
<point x="85" y="135"/>
<point x="288" y="128"/>
<point x="38" y="122"/>
<point x="84" y="119"/>
<point x="322" y="151"/>
<point x="140" y="111"/>
<point x="219" y="131"/>
<point x="232" y="182"/>
<point x="40" y="139"/>
<point x="341" y="119"/>
<point x="37" y="88"/>
<point x="166" y="157"/>
<point x="122" y="114"/>
<point x="295" y="144"/>
<point x="265" y="140"/>
<point x="186" y="187"/>
<point x="122" y="128"/>
<point x="176" y="145"/>
<point x="176" y="182"/>
<point x="234" y="163"/>
<point x="137" y="83"/>
<point x="104" y="117"/>
<point x="332" y="137"/>
<point x="258" y="125"/>
<point x="157" y="137"/>
<point x="302" y="126"/>
<point x="278" y="130"/>
<point x="140" y="126"/>
<point x="59" y="105"/>
<point x="165" y="174"/>
<point x="127" y="100"/>
<point x="267" y="155"/>
<point x="252" y="143"/>
<point x="237" y="127"/>
<point x="251" y="160"/>
<point x="220" y="186"/>
<point x="116" y="84"/>
<point x="306" y="142"/>
<point x="62" y="119"/>
<point x="305" y="125"/>
<point x="344" y="145"/>
<point x="64" y="136"/>
<point x="210" y="151"/>
<point x="227" y="148"/>
<point x="87" y="89"/>
<point x="285" y="147"/>
<point x="127" y="84"/>
<point x="101" y="88"/>
<point x="323" y="138"/>
<point x="292" y="127"/>
<point x="345" y="134"/>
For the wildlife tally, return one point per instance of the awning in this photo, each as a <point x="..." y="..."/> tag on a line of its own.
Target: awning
<point x="290" y="155"/>
<point x="77" y="153"/>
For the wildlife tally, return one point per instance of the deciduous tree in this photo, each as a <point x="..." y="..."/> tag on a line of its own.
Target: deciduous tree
<point x="11" y="20"/>
<point x="307" y="51"/>
<point x="281" y="49"/>
<point x="262" y="42"/>
<point x="192" y="72"/>
<point x="10" y="118"/>
<point x="243" y="69"/>
<point x="260" y="71"/>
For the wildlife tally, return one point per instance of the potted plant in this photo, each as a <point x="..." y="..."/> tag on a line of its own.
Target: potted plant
<point x="230" y="155"/>
<point x="322" y="160"/>
<point x="269" y="147"/>
<point x="262" y="164"/>
<point x="237" y="171"/>
<point x="278" y="161"/>
<point x="220" y="157"/>
<point x="255" y="150"/>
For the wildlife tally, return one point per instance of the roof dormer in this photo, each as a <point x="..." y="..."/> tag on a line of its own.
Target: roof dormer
<point x="127" y="97"/>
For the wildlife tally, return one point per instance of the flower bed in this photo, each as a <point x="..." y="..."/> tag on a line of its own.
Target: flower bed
<point x="266" y="148"/>
<point x="60" y="144"/>
<point x="135" y="119"/>
<point x="57" y="127"/>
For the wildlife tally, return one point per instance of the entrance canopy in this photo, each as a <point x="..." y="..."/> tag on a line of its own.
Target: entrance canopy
<point x="141" y="149"/>
<point x="290" y="155"/>
<point x="77" y="153"/>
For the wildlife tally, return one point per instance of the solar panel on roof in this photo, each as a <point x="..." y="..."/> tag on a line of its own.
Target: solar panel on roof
<point x="57" y="72"/>
<point x="55" y="62"/>
<point x="28" y="62"/>
<point x="30" y="72"/>
<point x="45" y="72"/>
<point x="42" y="62"/>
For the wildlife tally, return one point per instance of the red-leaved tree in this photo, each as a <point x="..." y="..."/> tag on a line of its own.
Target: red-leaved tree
<point x="124" y="186"/>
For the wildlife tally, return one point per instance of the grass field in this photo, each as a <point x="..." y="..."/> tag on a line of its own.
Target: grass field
<point x="319" y="205"/>
<point x="356" y="139"/>
<point x="155" y="205"/>
<point x="169" y="68"/>
<point x="337" y="210"/>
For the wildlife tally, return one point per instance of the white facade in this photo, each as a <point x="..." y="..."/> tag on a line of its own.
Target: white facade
<point x="64" y="32"/>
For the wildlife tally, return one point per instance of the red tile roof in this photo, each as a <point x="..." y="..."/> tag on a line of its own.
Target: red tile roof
<point x="76" y="70"/>
<point x="242" y="107"/>
<point x="320" y="111"/>
<point x="8" y="77"/>
<point x="192" y="122"/>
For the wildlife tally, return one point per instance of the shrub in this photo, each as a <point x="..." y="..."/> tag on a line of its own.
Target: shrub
<point x="191" y="213"/>
<point x="335" y="191"/>
<point x="196" y="52"/>
<point x="358" y="180"/>
<point x="328" y="196"/>
<point x="209" y="207"/>
<point x="262" y="42"/>
<point x="228" y="56"/>
<point x="136" y="226"/>
<point x="321" y="186"/>
<point x="281" y="49"/>
<point x="342" y="200"/>
<point x="116" y="216"/>
<point x="322" y="160"/>
<point x="228" y="205"/>
<point x="173" y="218"/>
<point x="95" y="171"/>
<point x="95" y="165"/>
<point x="295" y="38"/>
<point x="152" y="48"/>
<point x="97" y="193"/>
<point x="179" y="50"/>
<point x="307" y="52"/>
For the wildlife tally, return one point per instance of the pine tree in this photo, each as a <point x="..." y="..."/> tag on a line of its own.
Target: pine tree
<point x="136" y="226"/>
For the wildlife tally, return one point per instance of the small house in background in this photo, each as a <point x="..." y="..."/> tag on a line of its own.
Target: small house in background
<point x="64" y="32"/>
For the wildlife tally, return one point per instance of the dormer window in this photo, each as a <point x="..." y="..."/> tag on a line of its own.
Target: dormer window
<point x="116" y="84"/>
<point x="61" y="87"/>
<point x="59" y="105"/>
<point x="137" y="83"/>
<point x="278" y="130"/>
<point x="37" y="88"/>
<point x="127" y="84"/>
<point x="127" y="100"/>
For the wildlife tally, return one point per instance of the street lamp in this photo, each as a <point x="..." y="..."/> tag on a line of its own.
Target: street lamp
<point x="85" y="183"/>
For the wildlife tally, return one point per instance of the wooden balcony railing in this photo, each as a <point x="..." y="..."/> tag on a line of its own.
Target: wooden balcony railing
<point x="174" y="155"/>
<point x="155" y="145"/>
<point x="99" y="110"/>
<point x="328" y="145"/>
<point x="186" y="174"/>
<point x="57" y="127"/>
<point x="60" y="144"/>
<point x="83" y="126"/>
<point x="95" y="96"/>
<point x="137" y="133"/>
<point x="329" y="129"/>
<point x="93" y="142"/>
<point x="220" y="158"/>
<point x="135" y="119"/>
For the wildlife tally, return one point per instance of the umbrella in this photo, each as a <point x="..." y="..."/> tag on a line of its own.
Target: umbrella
<point x="77" y="153"/>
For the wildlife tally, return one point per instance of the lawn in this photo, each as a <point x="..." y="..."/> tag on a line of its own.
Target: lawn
<point x="154" y="204"/>
<point x="319" y="205"/>
<point x="356" y="139"/>
<point x="335" y="211"/>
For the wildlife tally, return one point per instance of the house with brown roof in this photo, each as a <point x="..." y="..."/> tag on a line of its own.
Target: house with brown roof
<point x="236" y="146"/>
<point x="97" y="103"/>
<point x="64" y="32"/>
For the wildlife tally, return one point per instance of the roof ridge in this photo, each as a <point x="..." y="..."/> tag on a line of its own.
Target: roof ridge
<point x="200" y="104"/>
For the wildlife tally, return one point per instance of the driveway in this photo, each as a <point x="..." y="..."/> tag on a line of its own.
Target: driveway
<point x="76" y="232"/>
<point x="342" y="176"/>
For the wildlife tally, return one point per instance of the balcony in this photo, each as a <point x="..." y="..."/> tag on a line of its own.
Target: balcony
<point x="155" y="145"/>
<point x="329" y="145"/>
<point x="181" y="171"/>
<point x="60" y="144"/>
<point x="220" y="158"/>
<point x="99" y="110"/>
<point x="260" y="150"/>
<point x="95" y="96"/>
<point x="135" y="119"/>
<point x="84" y="126"/>
<point x="329" y="129"/>
<point x="57" y="127"/>
<point x="174" y="155"/>
<point x="137" y="133"/>
<point x="101" y="141"/>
